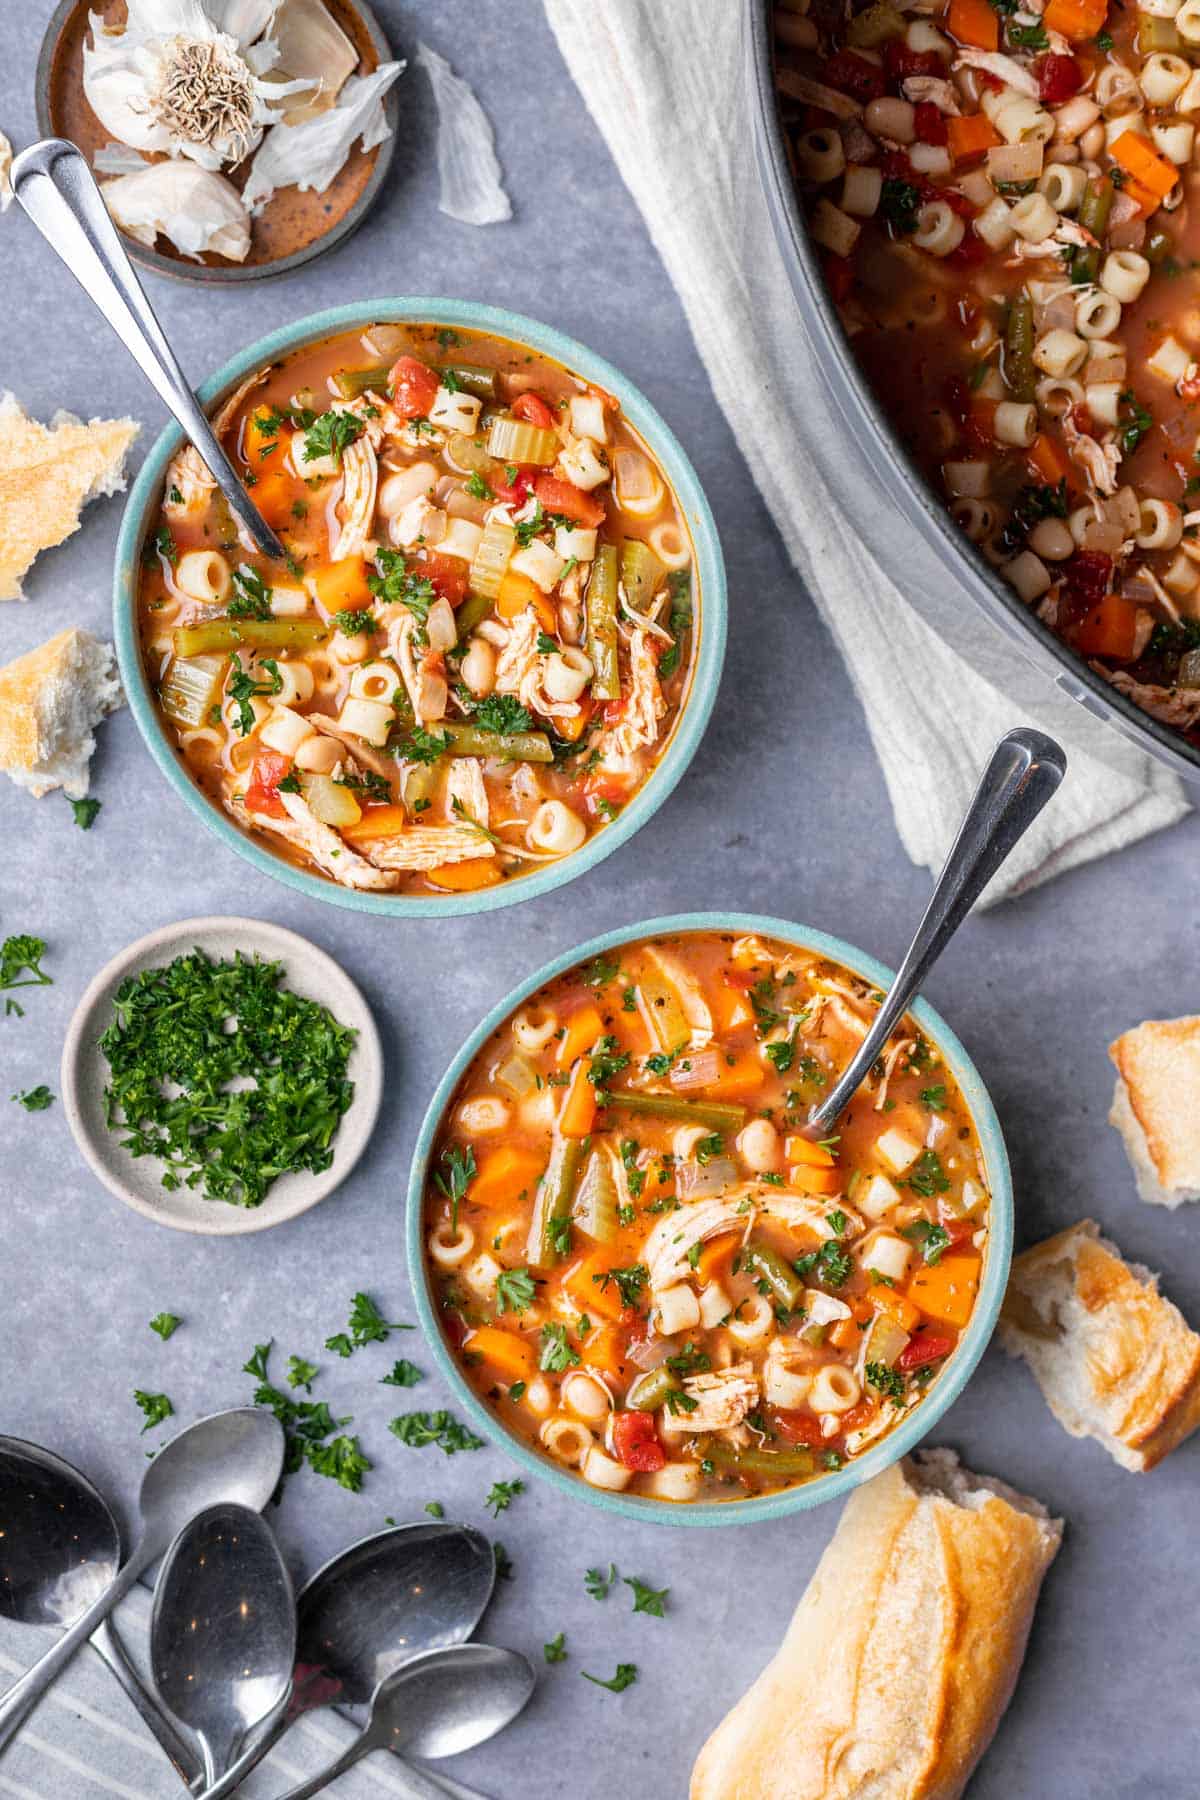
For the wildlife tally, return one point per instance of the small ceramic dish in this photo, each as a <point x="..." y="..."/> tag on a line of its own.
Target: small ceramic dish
<point x="294" y="227"/>
<point x="136" y="1180"/>
<point x="904" y="1436"/>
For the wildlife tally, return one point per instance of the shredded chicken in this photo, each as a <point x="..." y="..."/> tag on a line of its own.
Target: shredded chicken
<point x="993" y="62"/>
<point x="520" y="670"/>
<point x="643" y="705"/>
<point x="804" y="1212"/>
<point x="429" y="846"/>
<point x="360" y="482"/>
<point x="665" y="1252"/>
<point x="891" y="1058"/>
<point x="319" y="842"/>
<point x="1099" y="462"/>
<point x="188" y="474"/>
<point x="723" y="1398"/>
<point x="931" y="88"/>
<point x="425" y="687"/>
<point x="801" y="87"/>
<point x="1174" y="706"/>
<point x="466" y="791"/>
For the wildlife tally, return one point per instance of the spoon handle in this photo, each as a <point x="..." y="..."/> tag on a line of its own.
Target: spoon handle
<point x="109" y="1647"/>
<point x="1023" y="774"/>
<point x="23" y="1696"/>
<point x="53" y="183"/>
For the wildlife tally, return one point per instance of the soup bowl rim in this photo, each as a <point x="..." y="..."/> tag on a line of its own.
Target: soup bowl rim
<point x="945" y="1390"/>
<point x="708" y="565"/>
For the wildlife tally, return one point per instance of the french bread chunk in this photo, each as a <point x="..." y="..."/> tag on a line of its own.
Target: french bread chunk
<point x="50" y="701"/>
<point x="1156" y="1107"/>
<point x="1114" y="1360"/>
<point x="904" y="1651"/>
<point x="47" y="475"/>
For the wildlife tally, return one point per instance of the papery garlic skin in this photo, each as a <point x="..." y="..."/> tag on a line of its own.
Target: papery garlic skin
<point x="311" y="154"/>
<point x="197" y="209"/>
<point x="471" y="188"/>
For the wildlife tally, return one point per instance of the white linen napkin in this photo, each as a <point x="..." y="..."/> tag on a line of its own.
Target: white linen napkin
<point x="85" y="1740"/>
<point x="664" y="81"/>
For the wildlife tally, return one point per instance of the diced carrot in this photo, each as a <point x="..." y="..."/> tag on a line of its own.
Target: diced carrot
<point x="1076" y="19"/>
<point x="517" y="592"/>
<point x="465" y="877"/>
<point x="604" y="1348"/>
<point x="592" y="1297"/>
<point x="262" y="436"/>
<point x="502" y="1350"/>
<point x="845" y="1335"/>
<point x="342" y="586"/>
<point x="715" y="1257"/>
<point x="274" y="494"/>
<point x="803" y="1150"/>
<point x="887" y="1300"/>
<point x="377" y="822"/>
<point x="578" y="1113"/>
<point x="580" y="1033"/>
<point x="743" y="1076"/>
<point x="815" y="1181"/>
<point x="630" y="1032"/>
<point x="504" y="1174"/>
<point x="1110" y="629"/>
<point x="974" y="135"/>
<point x="730" y="1009"/>
<point x="1137" y="154"/>
<point x="1048" y="459"/>
<point x="946" y="1290"/>
<point x="1143" y="198"/>
<point x="981" y="421"/>
<point x="974" y="22"/>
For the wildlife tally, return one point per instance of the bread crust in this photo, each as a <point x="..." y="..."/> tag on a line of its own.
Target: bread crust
<point x="902" y="1654"/>
<point x="50" y="699"/>
<point x="1156" y="1107"/>
<point x="47" y="475"/>
<point x="1114" y="1359"/>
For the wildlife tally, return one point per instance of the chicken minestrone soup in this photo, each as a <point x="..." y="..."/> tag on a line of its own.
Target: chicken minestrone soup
<point x="481" y="638"/>
<point x="649" y="1273"/>
<point x="1002" y="195"/>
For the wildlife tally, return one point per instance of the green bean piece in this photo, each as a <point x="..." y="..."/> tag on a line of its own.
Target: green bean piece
<point x="473" y="611"/>
<point x="602" y="624"/>
<point x="1020" y="373"/>
<point x="718" y="1115"/>
<point x="516" y="746"/>
<point x="650" y="1391"/>
<point x="473" y="377"/>
<point x="552" y="1205"/>
<point x="641" y="573"/>
<point x="1093" y="213"/>
<point x="350" y="383"/>
<point x="797" y="1461"/>
<point x="871" y="29"/>
<point x="252" y="634"/>
<point x="767" y="1264"/>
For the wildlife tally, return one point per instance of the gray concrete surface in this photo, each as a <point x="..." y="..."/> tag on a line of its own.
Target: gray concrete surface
<point x="783" y="810"/>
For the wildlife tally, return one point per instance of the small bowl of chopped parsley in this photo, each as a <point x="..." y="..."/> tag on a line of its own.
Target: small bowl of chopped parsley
<point x="222" y="1075"/>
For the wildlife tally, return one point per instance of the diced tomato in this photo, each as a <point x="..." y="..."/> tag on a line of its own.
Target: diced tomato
<point x="854" y="75"/>
<point x="970" y="251"/>
<point x="959" y="1231"/>
<point x="600" y="790"/>
<point x="799" y="1427"/>
<point x="413" y="387"/>
<point x="262" y="795"/>
<point x="929" y="124"/>
<point x="895" y="166"/>
<point x="924" y="1347"/>
<point x="901" y="62"/>
<point x="448" y="575"/>
<point x="533" y="409"/>
<point x="1058" y="78"/>
<point x="454" y="1328"/>
<point x="1086" y="577"/>
<point x="635" y="1440"/>
<point x="559" y="496"/>
<point x="515" y="492"/>
<point x="839" y="276"/>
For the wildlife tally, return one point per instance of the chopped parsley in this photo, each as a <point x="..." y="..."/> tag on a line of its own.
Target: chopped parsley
<point x="899" y="202"/>
<point x="477" y="487"/>
<point x="515" y="1290"/>
<point x="21" y="962"/>
<point x="927" y="1176"/>
<point x="35" y="1099"/>
<point x="366" y="1325"/>
<point x="161" y="544"/>
<point x="417" y="1429"/>
<point x="708" y="1147"/>
<point x="629" y="1282"/>
<point x="353" y="623"/>
<point x="600" y="971"/>
<point x="503" y="1562"/>
<point x="243" y="689"/>
<point x="166" y="1324"/>
<point x="829" y="1263"/>
<point x="404" y="1374"/>
<point x="689" y="1361"/>
<point x="930" y="1239"/>
<point x="1134" y="423"/>
<point x="679" y="586"/>
<point x="527" y="529"/>
<point x="598" y="1584"/>
<point x="367" y="782"/>
<point x="155" y="1408"/>
<point x="934" y="1098"/>
<point x="85" y="812"/>
<point x="502" y="714"/>
<point x="647" y="1599"/>
<point x="557" y="1355"/>
<point x="889" y="1382"/>
<point x="1027" y="37"/>
<point x="502" y="1495"/>
<point x="252" y="600"/>
<point x="396" y="582"/>
<point x="454" y="1178"/>
<point x="331" y="435"/>
<point x="625" y="1677"/>
<point x="300" y="1373"/>
<point x="423" y="746"/>
<point x="556" y="1650"/>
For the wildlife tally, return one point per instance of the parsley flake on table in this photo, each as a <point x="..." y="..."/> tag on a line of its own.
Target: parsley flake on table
<point x="21" y="962"/>
<point x="435" y="1509"/>
<point x="598" y="1584"/>
<point x="404" y="1374"/>
<point x="556" y="1650"/>
<point x="35" y="1099"/>
<point x="85" y="812"/>
<point x="647" y="1599"/>
<point x="417" y="1429"/>
<point x="341" y="1460"/>
<point x="503" y="1562"/>
<point x="226" y="1110"/>
<point x="166" y="1324"/>
<point x="502" y="1495"/>
<point x="366" y="1325"/>
<point x="156" y="1408"/>
<point x="625" y="1677"/>
<point x="308" y="1426"/>
<point x="300" y="1373"/>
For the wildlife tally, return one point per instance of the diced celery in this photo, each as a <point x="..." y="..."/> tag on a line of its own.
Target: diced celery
<point x="192" y="688"/>
<point x="331" y="804"/>
<point x="641" y="573"/>
<point x="513" y="441"/>
<point x="491" y="558"/>
<point x="467" y="453"/>
<point x="602" y="624"/>
<point x="595" y="1208"/>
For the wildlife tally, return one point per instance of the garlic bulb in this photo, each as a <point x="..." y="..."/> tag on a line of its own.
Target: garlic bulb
<point x="196" y="208"/>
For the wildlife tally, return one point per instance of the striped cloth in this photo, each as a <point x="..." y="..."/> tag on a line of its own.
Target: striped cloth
<point x="86" y="1742"/>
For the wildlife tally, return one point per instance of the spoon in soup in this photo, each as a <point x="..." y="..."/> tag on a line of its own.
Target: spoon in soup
<point x="53" y="183"/>
<point x="1025" y="771"/>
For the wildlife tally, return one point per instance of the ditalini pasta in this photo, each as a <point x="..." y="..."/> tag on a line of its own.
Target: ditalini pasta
<point x="1001" y="194"/>
<point x="482" y="637"/>
<point x="648" y="1272"/>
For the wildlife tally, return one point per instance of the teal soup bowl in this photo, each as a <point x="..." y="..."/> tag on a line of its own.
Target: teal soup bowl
<point x="141" y="547"/>
<point x="613" y="969"/>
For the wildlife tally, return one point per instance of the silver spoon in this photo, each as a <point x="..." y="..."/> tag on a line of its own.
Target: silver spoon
<point x="403" y="1591"/>
<point x="1024" y="773"/>
<point x="223" y="1630"/>
<point x="436" y="1705"/>
<point x="234" y="1455"/>
<point x="59" y="1548"/>
<point x="53" y="183"/>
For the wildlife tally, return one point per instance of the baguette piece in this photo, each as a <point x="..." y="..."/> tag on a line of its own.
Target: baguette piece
<point x="50" y="700"/>
<point x="47" y="475"/>
<point x="903" y="1652"/>
<point x="1156" y="1107"/>
<point x="1114" y="1360"/>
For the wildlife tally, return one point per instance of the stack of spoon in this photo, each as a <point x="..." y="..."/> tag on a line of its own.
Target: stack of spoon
<point x="236" y="1658"/>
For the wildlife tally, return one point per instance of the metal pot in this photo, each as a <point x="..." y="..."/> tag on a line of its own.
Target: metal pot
<point x="932" y="551"/>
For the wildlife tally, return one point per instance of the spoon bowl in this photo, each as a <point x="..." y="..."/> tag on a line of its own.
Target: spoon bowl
<point x="223" y="1630"/>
